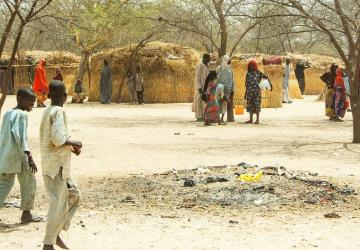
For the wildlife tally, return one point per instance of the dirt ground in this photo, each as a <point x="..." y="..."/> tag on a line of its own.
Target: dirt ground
<point x="125" y="145"/>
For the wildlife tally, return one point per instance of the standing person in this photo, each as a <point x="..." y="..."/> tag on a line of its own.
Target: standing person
<point x="58" y="76"/>
<point x="131" y="81"/>
<point x="40" y="85"/>
<point x="226" y="78"/>
<point x="201" y="73"/>
<point x="15" y="155"/>
<point x="340" y="103"/>
<point x="79" y="93"/>
<point x="253" y="91"/>
<point x="211" y="113"/>
<point x="106" y="83"/>
<point x="56" y="148"/>
<point x="286" y="79"/>
<point x="329" y="79"/>
<point x="300" y="75"/>
<point x="139" y="85"/>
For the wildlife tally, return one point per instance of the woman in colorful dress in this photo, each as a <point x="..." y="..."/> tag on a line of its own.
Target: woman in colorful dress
<point x="212" y="110"/>
<point x="340" y="102"/>
<point x="253" y="91"/>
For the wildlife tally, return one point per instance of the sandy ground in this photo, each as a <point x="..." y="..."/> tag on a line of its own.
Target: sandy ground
<point x="120" y="140"/>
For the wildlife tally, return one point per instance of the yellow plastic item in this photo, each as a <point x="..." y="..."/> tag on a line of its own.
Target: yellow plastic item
<point x="239" y="110"/>
<point x="252" y="178"/>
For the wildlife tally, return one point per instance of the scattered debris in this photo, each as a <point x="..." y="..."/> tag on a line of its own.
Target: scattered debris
<point x="233" y="222"/>
<point x="347" y="190"/>
<point x="214" y="187"/>
<point x="213" y="179"/>
<point x="202" y="170"/>
<point x="332" y="216"/>
<point x="169" y="216"/>
<point x="189" y="183"/>
<point x="171" y="172"/>
<point x="177" y="133"/>
<point x="128" y="199"/>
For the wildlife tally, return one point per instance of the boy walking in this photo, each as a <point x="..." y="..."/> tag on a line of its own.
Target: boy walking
<point x="15" y="155"/>
<point x="56" y="149"/>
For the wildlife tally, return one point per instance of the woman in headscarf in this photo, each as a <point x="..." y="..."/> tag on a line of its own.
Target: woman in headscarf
<point x="340" y="102"/>
<point x="329" y="79"/>
<point x="226" y="78"/>
<point x="106" y="83"/>
<point x="40" y="85"/>
<point x="253" y="91"/>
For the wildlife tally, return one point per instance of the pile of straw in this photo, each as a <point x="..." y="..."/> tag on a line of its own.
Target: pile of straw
<point x="168" y="71"/>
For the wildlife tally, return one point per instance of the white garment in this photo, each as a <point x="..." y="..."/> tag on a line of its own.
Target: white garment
<point x="286" y="79"/>
<point x="201" y="73"/>
<point x="53" y="135"/>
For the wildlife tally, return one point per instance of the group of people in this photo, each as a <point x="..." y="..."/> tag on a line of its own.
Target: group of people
<point x="56" y="147"/>
<point x="41" y="89"/>
<point x="336" y="101"/>
<point x="214" y="91"/>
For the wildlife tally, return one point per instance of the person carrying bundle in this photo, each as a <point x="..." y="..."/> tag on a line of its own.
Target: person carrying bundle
<point x="253" y="91"/>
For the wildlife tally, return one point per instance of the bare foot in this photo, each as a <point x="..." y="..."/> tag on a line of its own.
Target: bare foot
<point x="249" y="122"/>
<point x="257" y="122"/>
<point x="60" y="243"/>
<point x="48" y="247"/>
<point x="27" y="217"/>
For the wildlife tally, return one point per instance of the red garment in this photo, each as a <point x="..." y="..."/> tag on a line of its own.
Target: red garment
<point x="254" y="64"/>
<point x="40" y="84"/>
<point x="339" y="80"/>
<point x="58" y="77"/>
<point x="276" y="60"/>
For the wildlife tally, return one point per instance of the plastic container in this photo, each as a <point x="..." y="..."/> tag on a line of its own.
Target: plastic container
<point x="239" y="110"/>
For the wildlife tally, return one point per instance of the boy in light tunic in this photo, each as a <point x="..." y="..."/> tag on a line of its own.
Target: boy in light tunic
<point x="56" y="148"/>
<point x="15" y="155"/>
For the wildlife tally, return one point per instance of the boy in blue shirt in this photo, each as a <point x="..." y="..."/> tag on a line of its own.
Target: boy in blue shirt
<point x="15" y="155"/>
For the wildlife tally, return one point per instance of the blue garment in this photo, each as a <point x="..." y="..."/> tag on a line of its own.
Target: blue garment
<point x="13" y="142"/>
<point x="226" y="78"/>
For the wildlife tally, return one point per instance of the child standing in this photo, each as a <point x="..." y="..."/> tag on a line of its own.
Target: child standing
<point x="15" y="155"/>
<point x="56" y="148"/>
<point x="211" y="113"/>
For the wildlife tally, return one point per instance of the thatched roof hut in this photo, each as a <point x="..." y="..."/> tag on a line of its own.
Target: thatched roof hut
<point x="168" y="71"/>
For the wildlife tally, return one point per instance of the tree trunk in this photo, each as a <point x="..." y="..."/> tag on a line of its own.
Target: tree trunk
<point x="223" y="28"/>
<point x="82" y="66"/>
<point x="230" y="111"/>
<point x="9" y="69"/>
<point x="355" y="107"/>
<point x="7" y="30"/>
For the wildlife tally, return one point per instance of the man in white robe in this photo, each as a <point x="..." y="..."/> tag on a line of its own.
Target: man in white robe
<point x="201" y="73"/>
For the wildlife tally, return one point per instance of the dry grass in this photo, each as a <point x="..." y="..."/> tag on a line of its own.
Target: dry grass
<point x="168" y="71"/>
<point x="313" y="83"/>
